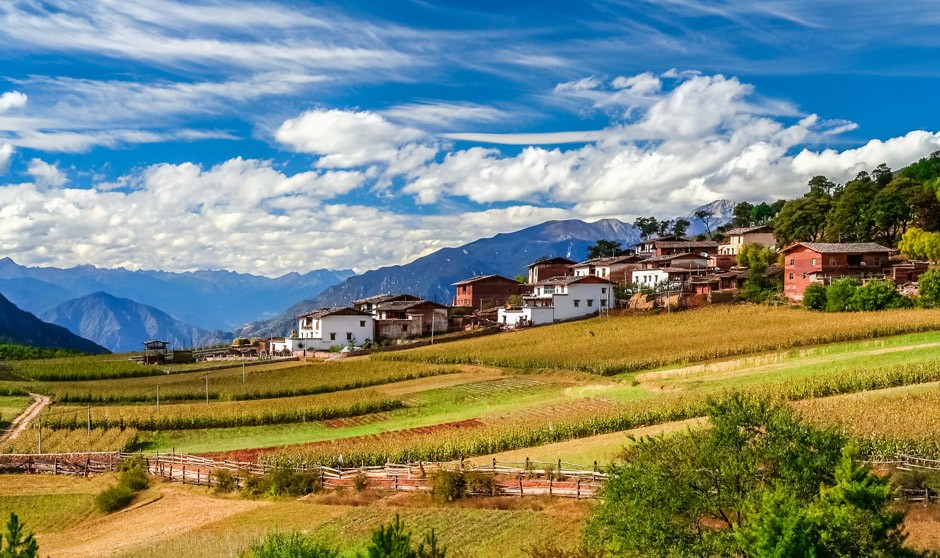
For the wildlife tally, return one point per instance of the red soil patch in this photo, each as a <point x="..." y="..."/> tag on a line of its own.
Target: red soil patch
<point x="354" y="421"/>
<point x="253" y="454"/>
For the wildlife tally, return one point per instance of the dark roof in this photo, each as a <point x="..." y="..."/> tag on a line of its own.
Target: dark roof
<point x="555" y="260"/>
<point x="493" y="277"/>
<point x="685" y="244"/>
<point x="673" y="257"/>
<point x="334" y="311"/>
<point x="842" y="247"/>
<point x="745" y="230"/>
<point x="568" y="279"/>
<point x="405" y="304"/>
<point x="626" y="258"/>
<point x="385" y="297"/>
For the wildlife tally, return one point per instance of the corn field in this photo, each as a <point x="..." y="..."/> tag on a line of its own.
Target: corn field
<point x="614" y="345"/>
<point x="65" y="440"/>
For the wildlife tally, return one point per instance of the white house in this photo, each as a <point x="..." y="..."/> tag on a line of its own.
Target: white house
<point x="761" y="234"/>
<point x="561" y="298"/>
<point x="327" y="327"/>
<point x="673" y="268"/>
<point x="616" y="268"/>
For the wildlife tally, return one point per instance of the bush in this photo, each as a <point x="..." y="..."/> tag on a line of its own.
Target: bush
<point x="284" y="481"/>
<point x="814" y="297"/>
<point x="135" y="479"/>
<point x="114" y="498"/>
<point x="450" y="486"/>
<point x="929" y="286"/>
<point x="288" y="545"/>
<point x="878" y="294"/>
<point x="360" y="482"/>
<point x="255" y="486"/>
<point x="393" y="541"/>
<point x="224" y="481"/>
<point x="840" y="296"/>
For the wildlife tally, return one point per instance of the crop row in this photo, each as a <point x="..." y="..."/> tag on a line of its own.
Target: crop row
<point x="576" y="420"/>
<point x="220" y="415"/>
<point x="617" y="345"/>
<point x="64" y="440"/>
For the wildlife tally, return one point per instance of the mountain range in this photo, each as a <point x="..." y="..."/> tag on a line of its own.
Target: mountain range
<point x="22" y="328"/>
<point x="121" y="325"/>
<point x="210" y="300"/>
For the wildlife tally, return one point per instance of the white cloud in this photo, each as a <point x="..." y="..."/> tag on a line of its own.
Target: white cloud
<point x="6" y="153"/>
<point x="46" y="175"/>
<point x="12" y="100"/>
<point x="441" y="113"/>
<point x="345" y="139"/>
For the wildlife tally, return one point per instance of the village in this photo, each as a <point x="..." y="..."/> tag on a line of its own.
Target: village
<point x="667" y="272"/>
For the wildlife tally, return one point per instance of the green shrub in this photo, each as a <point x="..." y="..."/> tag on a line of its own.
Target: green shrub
<point x="19" y="543"/>
<point x="135" y="479"/>
<point x="255" y="486"/>
<point x="814" y="297"/>
<point x="284" y="481"/>
<point x="480" y="484"/>
<point x="878" y="294"/>
<point x="114" y="498"/>
<point x="448" y="486"/>
<point x="360" y="482"/>
<point x="288" y="545"/>
<point x="224" y="481"/>
<point x="840" y="295"/>
<point x="929" y="287"/>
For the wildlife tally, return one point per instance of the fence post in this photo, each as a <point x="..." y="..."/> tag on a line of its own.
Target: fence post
<point x="87" y="460"/>
<point x="550" y="477"/>
<point x="55" y="465"/>
<point x="184" y="474"/>
<point x="396" y="483"/>
<point x="578" y="497"/>
<point x="520" y="486"/>
<point x="494" y="465"/>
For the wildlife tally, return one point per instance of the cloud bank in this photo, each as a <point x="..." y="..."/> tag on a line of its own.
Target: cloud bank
<point x="672" y="142"/>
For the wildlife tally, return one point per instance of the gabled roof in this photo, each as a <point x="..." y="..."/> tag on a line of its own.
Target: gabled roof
<point x="569" y="279"/>
<point x="549" y="261"/>
<point x="493" y="277"/>
<point x="626" y="258"/>
<point x="685" y="244"/>
<point x="842" y="247"/>
<point x="385" y="297"/>
<point x="320" y="313"/>
<point x="405" y="304"/>
<point x="669" y="257"/>
<point x="745" y="230"/>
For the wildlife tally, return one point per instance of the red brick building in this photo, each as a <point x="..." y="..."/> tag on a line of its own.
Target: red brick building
<point x="822" y="262"/>
<point x="548" y="268"/>
<point x="487" y="291"/>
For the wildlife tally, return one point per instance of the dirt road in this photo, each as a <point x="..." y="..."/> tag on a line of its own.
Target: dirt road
<point x="21" y="422"/>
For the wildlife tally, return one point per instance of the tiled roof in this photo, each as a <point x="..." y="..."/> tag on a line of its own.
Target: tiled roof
<point x="745" y="230"/>
<point x="626" y="258"/>
<point x="385" y="297"/>
<point x="569" y="279"/>
<point x="686" y="244"/>
<point x="842" y="247"/>
<point x="404" y="304"/>
<point x="556" y="260"/>
<point x="673" y="256"/>
<point x="333" y="311"/>
<point x="482" y="277"/>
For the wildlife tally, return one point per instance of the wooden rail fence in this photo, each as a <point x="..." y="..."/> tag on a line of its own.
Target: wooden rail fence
<point x="511" y="479"/>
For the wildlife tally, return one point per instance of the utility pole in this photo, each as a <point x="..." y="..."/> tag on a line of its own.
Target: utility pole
<point x="433" y="315"/>
<point x="243" y="371"/>
<point x="207" y="388"/>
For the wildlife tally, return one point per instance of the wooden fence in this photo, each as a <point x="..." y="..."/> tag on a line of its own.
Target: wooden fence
<point x="511" y="479"/>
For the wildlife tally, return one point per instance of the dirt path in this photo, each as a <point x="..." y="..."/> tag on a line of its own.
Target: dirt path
<point x="20" y="423"/>
<point x="175" y="512"/>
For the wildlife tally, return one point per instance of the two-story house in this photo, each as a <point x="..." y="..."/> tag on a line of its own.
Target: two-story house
<point x="560" y="298"/>
<point x="618" y="268"/>
<point x="487" y="291"/>
<point x="760" y="234"/>
<point x="328" y="327"/>
<point x="822" y="262"/>
<point x="547" y="268"/>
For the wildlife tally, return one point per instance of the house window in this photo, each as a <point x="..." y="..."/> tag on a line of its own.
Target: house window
<point x="548" y="290"/>
<point x="362" y="323"/>
<point x="603" y="302"/>
<point x="348" y="336"/>
<point x="877" y="261"/>
<point x="590" y="302"/>
<point x="603" y="290"/>
<point x="332" y="337"/>
<point x="792" y="261"/>
<point x="791" y="277"/>
<point x="577" y="303"/>
<point x="814" y="261"/>
<point x="832" y="261"/>
<point x="804" y="275"/>
<point x="854" y="259"/>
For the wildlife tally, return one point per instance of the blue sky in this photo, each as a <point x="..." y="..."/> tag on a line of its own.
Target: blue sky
<point x="288" y="136"/>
